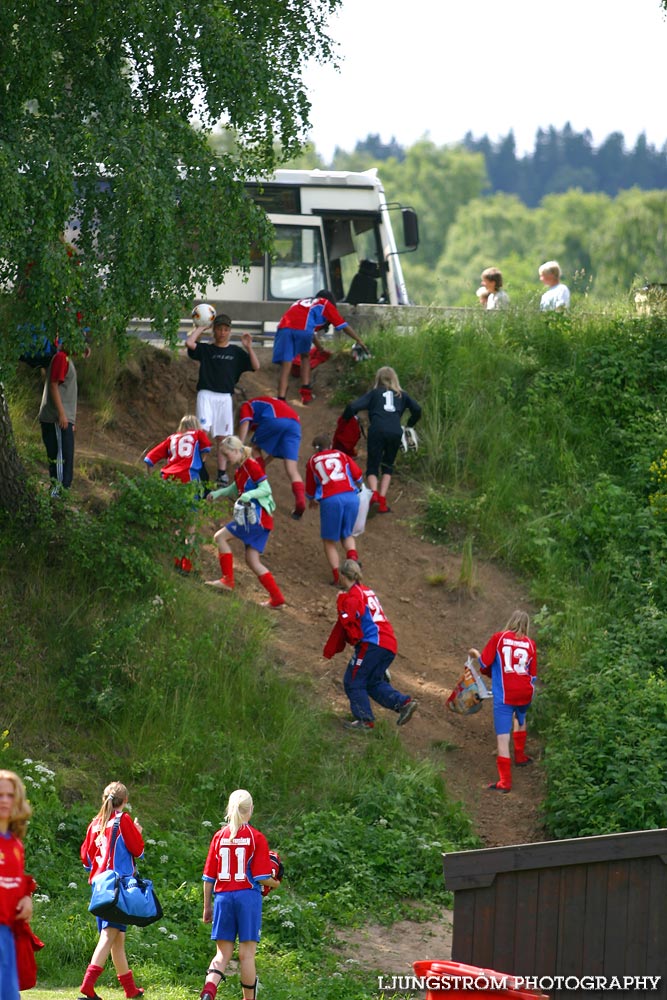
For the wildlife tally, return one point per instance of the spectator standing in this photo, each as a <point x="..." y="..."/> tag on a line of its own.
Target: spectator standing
<point x="510" y="659"/>
<point x="295" y="334"/>
<point x="385" y="402"/>
<point x="557" y="295"/>
<point x="221" y="365"/>
<point x="276" y="430"/>
<point x="497" y="297"/>
<point x="114" y="841"/>
<point x="362" y="623"/>
<point x="332" y="481"/>
<point x="57" y="417"/>
<point x="15" y="899"/>
<point x="237" y="866"/>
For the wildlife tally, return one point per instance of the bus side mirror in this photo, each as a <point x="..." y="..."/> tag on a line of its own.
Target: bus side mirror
<point x="410" y="228"/>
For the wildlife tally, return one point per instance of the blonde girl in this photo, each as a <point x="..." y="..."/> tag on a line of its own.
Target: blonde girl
<point x="237" y="866"/>
<point x="15" y="900"/>
<point x="114" y="841"/>
<point x="253" y="527"/>
<point x="385" y="402"/>
<point x="510" y="658"/>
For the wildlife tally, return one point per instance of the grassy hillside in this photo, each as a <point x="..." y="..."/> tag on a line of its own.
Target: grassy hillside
<point x="115" y="668"/>
<point x="544" y="445"/>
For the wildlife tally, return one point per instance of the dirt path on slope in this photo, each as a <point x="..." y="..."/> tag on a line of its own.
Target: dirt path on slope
<point x="435" y="624"/>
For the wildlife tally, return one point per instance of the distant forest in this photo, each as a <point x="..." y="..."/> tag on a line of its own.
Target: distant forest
<point x="562" y="159"/>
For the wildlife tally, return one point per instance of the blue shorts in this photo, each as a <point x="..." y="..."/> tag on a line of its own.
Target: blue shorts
<point x="255" y="536"/>
<point x="101" y="924"/>
<point x="237" y="914"/>
<point x="280" y="437"/>
<point x="288" y="343"/>
<point x="9" y="982"/>
<point x="337" y="515"/>
<point x="503" y="715"/>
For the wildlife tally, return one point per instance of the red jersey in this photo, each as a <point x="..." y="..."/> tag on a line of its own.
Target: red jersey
<point x="12" y="876"/>
<point x="263" y="407"/>
<point x="235" y="863"/>
<point x="248" y="475"/>
<point x="129" y="844"/>
<point x="183" y="453"/>
<point x="512" y="663"/>
<point x="311" y="315"/>
<point x="361" y="616"/>
<point x="330" y="472"/>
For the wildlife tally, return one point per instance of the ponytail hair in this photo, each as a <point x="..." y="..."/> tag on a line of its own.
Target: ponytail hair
<point x="351" y="570"/>
<point x="233" y="443"/>
<point x="387" y="378"/>
<point x="519" y="622"/>
<point x="114" y="796"/>
<point x="189" y="423"/>
<point x="21" y="810"/>
<point x="239" y="810"/>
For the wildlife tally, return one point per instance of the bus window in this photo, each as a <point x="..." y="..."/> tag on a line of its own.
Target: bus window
<point x="296" y="270"/>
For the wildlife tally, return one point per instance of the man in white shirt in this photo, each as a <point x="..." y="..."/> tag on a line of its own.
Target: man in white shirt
<point x="557" y="295"/>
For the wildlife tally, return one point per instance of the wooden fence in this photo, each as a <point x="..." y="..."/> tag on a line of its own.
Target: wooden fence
<point x="593" y="906"/>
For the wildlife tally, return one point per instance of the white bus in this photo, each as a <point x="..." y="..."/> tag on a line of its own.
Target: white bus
<point x="333" y="229"/>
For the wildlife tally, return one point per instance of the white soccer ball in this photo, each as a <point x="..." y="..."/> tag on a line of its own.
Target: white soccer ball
<point x="203" y="314"/>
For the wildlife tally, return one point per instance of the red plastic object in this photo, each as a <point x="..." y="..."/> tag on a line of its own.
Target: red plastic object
<point x="461" y="982"/>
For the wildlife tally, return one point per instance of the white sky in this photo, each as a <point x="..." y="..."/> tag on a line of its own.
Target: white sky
<point x="442" y="67"/>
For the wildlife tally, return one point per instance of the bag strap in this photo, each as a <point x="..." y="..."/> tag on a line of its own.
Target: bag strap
<point x="112" y="844"/>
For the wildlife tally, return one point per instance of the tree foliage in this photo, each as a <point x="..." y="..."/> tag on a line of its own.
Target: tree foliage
<point x="112" y="203"/>
<point x="95" y="128"/>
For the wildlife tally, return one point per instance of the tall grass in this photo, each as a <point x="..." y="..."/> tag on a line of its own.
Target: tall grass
<point x="540" y="435"/>
<point x="115" y="668"/>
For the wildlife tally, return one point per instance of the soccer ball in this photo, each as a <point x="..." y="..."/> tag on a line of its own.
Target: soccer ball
<point x="203" y="314"/>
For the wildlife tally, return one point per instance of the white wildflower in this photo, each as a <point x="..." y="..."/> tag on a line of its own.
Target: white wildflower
<point x="72" y="885"/>
<point x="206" y="822"/>
<point x="287" y="923"/>
<point x="172" y="937"/>
<point x="163" y="930"/>
<point x="61" y="827"/>
<point x="164" y="858"/>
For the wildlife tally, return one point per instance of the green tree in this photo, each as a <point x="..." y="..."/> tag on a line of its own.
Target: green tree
<point x="97" y="142"/>
<point x="487" y="231"/>
<point x="632" y="245"/>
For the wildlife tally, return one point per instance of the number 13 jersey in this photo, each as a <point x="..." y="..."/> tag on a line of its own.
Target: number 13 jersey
<point x="512" y="662"/>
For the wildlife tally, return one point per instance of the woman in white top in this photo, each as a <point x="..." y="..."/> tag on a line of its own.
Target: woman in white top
<point x="557" y="295"/>
<point x="492" y="280"/>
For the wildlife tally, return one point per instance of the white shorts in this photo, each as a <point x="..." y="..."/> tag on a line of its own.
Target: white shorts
<point x="215" y="411"/>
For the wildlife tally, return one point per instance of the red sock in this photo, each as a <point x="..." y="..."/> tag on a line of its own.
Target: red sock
<point x="520" y="755"/>
<point x="226" y="560"/>
<point x="383" y="503"/>
<point x="186" y="565"/>
<point x="299" y="491"/>
<point x="504" y="765"/>
<point x="129" y="985"/>
<point x="336" y="574"/>
<point x="93" y="973"/>
<point x="210" y="989"/>
<point x="352" y="554"/>
<point x="273" y="589"/>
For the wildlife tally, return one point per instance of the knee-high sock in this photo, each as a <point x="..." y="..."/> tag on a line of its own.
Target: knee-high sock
<point x="273" y="589"/>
